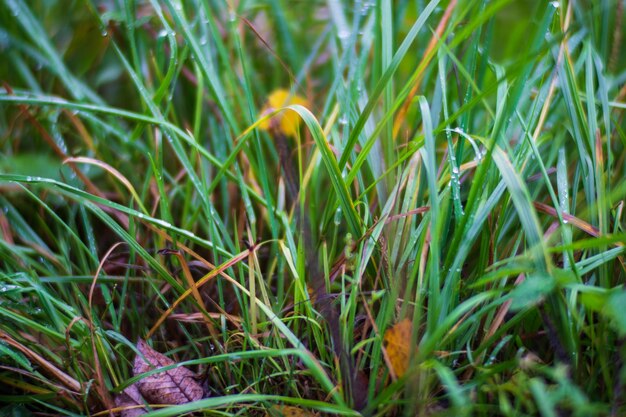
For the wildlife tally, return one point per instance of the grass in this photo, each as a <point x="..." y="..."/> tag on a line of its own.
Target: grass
<point x="460" y="164"/>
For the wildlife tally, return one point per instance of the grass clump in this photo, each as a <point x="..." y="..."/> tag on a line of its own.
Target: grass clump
<point x="438" y="230"/>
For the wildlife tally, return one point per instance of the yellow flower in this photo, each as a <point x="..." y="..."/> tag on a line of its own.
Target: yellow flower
<point x="288" y="120"/>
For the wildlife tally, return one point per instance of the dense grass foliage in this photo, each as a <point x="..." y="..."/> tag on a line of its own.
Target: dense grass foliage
<point x="459" y="164"/>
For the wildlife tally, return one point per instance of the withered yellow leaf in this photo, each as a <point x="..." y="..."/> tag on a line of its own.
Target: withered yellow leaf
<point x="398" y="346"/>
<point x="289" y="411"/>
<point x="288" y="120"/>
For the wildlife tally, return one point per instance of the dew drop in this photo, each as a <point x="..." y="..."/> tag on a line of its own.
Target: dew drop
<point x="343" y="34"/>
<point x="337" y="219"/>
<point x="162" y="223"/>
<point x="187" y="233"/>
<point x="7" y="287"/>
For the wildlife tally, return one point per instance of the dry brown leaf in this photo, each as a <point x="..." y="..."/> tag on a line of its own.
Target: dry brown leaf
<point x="398" y="346"/>
<point x="130" y="399"/>
<point x="289" y="411"/>
<point x="175" y="386"/>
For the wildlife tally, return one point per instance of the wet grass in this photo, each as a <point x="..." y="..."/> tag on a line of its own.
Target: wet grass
<point x="460" y="164"/>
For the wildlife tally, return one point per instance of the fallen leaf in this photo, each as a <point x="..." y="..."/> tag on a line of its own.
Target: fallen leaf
<point x="130" y="399"/>
<point x="398" y="346"/>
<point x="289" y="411"/>
<point x="288" y="120"/>
<point x="175" y="386"/>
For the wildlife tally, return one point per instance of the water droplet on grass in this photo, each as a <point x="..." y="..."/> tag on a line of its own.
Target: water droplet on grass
<point x="7" y="287"/>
